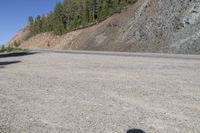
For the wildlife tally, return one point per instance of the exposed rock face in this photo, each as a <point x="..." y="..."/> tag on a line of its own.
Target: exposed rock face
<point x="170" y="26"/>
<point x="166" y="26"/>
<point x="187" y="38"/>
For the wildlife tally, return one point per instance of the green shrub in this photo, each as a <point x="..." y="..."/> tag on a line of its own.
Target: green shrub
<point x="11" y="49"/>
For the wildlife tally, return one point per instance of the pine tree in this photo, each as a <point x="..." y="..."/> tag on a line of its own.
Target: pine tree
<point x="30" y="20"/>
<point x="105" y="9"/>
<point x="73" y="14"/>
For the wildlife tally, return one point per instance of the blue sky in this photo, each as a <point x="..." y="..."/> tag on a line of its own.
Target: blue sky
<point x="14" y="15"/>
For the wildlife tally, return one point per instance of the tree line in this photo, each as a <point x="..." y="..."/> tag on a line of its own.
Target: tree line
<point x="72" y="14"/>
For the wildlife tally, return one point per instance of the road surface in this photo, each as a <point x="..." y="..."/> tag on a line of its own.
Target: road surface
<point x="99" y="92"/>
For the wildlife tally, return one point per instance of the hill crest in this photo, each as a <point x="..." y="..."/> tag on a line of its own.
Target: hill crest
<point x="147" y="26"/>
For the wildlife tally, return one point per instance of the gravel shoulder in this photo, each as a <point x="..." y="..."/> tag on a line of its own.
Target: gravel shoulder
<point x="82" y="92"/>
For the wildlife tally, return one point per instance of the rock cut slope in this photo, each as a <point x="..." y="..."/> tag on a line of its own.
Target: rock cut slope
<point x="169" y="26"/>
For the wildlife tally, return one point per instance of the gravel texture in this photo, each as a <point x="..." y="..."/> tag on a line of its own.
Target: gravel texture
<point x="52" y="92"/>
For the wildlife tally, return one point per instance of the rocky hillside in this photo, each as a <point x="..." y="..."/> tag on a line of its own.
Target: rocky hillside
<point x="169" y="26"/>
<point x="20" y="36"/>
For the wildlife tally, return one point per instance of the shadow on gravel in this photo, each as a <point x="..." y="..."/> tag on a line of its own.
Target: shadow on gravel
<point x="8" y="63"/>
<point x="16" y="54"/>
<point x="135" y="131"/>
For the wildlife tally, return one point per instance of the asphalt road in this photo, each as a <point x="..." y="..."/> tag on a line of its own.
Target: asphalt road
<point x="99" y="92"/>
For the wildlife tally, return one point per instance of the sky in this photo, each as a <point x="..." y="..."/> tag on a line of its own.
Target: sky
<point x="14" y="15"/>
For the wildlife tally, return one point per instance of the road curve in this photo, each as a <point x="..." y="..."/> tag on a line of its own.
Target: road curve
<point x="126" y="54"/>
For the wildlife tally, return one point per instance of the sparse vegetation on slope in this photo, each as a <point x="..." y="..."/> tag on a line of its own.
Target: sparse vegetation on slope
<point x="146" y="26"/>
<point x="74" y="14"/>
<point x="4" y="49"/>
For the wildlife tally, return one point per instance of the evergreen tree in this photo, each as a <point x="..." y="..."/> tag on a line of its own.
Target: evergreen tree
<point x="30" y="20"/>
<point x="73" y="14"/>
